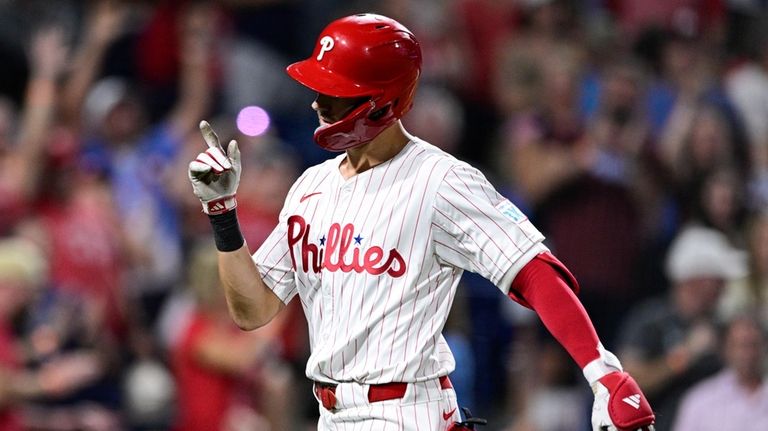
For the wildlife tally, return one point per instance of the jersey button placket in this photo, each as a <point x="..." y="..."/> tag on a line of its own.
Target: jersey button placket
<point x="341" y="209"/>
<point x="327" y="280"/>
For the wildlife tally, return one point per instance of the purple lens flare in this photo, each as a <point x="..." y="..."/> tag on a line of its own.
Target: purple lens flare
<point x="253" y="121"/>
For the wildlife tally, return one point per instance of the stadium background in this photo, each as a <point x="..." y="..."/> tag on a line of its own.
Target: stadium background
<point x="616" y="125"/>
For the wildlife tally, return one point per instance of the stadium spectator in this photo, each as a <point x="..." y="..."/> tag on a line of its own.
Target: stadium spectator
<point x="20" y="268"/>
<point x="23" y="269"/>
<point x="751" y="292"/>
<point x="670" y="342"/>
<point x="548" y="397"/>
<point x="227" y="379"/>
<point x="24" y="140"/>
<point x="736" y="397"/>
<point x="704" y="158"/>
<point x="120" y="143"/>
<point x="579" y="179"/>
<point x="536" y="90"/>
<point x="747" y="86"/>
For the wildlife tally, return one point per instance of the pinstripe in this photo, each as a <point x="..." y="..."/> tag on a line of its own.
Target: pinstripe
<point x="481" y="181"/>
<point x="269" y="270"/>
<point x="370" y="428"/>
<point x="485" y="186"/>
<point x="402" y="291"/>
<point x="468" y="235"/>
<point x="333" y="276"/>
<point x="362" y="301"/>
<point x="416" y="418"/>
<point x="478" y="225"/>
<point x="366" y="281"/>
<point x="316" y="184"/>
<point x="389" y="219"/>
<point x="352" y="289"/>
<point x="276" y="242"/>
<point x="432" y="305"/>
<point x="491" y="219"/>
<point x="410" y="251"/>
<point x="378" y="279"/>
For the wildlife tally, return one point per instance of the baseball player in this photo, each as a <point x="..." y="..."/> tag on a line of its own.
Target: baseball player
<point x="374" y="241"/>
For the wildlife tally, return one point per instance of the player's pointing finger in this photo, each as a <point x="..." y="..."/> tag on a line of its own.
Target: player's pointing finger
<point x="209" y="135"/>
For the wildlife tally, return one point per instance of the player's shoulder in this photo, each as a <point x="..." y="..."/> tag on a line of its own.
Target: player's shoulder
<point x="427" y="151"/>
<point x="432" y="154"/>
<point x="458" y="169"/>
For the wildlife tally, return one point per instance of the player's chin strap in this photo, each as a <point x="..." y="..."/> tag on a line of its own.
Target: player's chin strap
<point x="619" y="404"/>
<point x="468" y="423"/>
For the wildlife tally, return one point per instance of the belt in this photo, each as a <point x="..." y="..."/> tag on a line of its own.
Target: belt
<point x="380" y="392"/>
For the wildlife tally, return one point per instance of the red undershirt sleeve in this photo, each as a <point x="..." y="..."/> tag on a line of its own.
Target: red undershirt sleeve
<point x="545" y="285"/>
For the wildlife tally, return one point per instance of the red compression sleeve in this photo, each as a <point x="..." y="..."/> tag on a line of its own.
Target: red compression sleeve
<point x="542" y="287"/>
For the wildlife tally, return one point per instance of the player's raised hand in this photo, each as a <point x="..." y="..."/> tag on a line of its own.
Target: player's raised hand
<point x="215" y="174"/>
<point x="620" y="405"/>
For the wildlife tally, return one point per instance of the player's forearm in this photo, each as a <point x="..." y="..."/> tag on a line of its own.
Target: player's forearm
<point x="251" y="303"/>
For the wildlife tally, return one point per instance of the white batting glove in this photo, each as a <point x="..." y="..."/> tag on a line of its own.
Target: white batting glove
<point x="215" y="174"/>
<point x="619" y="404"/>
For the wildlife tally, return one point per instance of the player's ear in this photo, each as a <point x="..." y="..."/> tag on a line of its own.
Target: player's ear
<point x="379" y="113"/>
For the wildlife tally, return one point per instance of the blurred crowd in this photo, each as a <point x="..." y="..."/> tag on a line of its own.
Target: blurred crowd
<point x="634" y="133"/>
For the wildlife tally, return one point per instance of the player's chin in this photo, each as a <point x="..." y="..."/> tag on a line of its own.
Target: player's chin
<point x="323" y="124"/>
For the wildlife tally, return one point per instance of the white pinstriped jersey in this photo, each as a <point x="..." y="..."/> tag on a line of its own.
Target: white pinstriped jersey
<point x="375" y="260"/>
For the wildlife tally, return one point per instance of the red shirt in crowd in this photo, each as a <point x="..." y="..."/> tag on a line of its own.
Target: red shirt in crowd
<point x="205" y="395"/>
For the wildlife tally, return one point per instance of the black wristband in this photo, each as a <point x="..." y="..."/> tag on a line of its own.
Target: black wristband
<point x="226" y="231"/>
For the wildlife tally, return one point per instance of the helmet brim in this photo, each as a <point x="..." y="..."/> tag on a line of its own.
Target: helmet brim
<point x="324" y="81"/>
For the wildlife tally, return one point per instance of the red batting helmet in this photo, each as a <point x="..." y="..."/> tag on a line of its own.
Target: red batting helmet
<point x="364" y="55"/>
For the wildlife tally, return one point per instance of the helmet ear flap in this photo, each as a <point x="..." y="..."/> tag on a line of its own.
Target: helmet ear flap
<point x="382" y="112"/>
<point x="379" y="113"/>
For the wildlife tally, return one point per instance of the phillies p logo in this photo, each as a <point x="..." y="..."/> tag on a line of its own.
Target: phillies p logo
<point x="326" y="44"/>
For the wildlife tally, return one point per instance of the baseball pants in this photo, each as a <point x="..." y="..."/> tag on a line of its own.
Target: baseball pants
<point x="422" y="406"/>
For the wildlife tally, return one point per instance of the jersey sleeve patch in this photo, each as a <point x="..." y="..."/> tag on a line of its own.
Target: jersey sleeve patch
<point x="511" y="211"/>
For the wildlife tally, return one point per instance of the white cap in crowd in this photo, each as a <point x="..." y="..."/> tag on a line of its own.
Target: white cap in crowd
<point x="704" y="252"/>
<point x="102" y="98"/>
